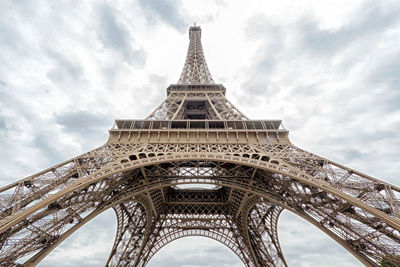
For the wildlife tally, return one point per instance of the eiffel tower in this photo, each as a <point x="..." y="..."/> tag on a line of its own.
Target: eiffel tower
<point x="197" y="166"/>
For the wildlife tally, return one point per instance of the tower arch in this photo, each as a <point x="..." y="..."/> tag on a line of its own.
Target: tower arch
<point x="260" y="188"/>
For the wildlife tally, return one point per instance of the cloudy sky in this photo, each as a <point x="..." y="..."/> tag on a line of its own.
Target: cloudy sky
<point x="329" y="69"/>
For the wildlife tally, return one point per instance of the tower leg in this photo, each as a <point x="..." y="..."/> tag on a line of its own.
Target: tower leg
<point x="263" y="232"/>
<point x="131" y="231"/>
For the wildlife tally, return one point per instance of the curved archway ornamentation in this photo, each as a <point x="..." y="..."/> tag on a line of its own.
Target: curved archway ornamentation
<point x="269" y="172"/>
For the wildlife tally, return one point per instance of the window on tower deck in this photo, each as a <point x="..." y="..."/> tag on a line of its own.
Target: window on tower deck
<point x="196" y="116"/>
<point x="195" y="105"/>
<point x="196" y="110"/>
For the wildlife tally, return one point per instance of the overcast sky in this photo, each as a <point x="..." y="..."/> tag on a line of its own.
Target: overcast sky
<point x="329" y="69"/>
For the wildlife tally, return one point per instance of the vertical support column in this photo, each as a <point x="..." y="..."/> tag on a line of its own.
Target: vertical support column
<point x="179" y="108"/>
<point x="213" y="107"/>
<point x="262" y="225"/>
<point x="133" y="221"/>
<point x="260" y="222"/>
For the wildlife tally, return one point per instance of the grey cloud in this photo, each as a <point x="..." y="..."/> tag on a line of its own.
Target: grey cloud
<point x="388" y="73"/>
<point x="82" y="122"/>
<point x="378" y="135"/>
<point x="286" y="51"/>
<point x="373" y="18"/>
<point x="306" y="90"/>
<point x="48" y="146"/>
<point x="322" y="42"/>
<point x="386" y="102"/>
<point x="116" y="37"/>
<point x="257" y="86"/>
<point x="167" y="11"/>
<point x="8" y="99"/>
<point x="353" y="154"/>
<point x="273" y="41"/>
<point x="65" y="70"/>
<point x="267" y="57"/>
<point x="154" y="93"/>
<point x="10" y="36"/>
<point x="158" y="80"/>
<point x="2" y="123"/>
<point x="316" y="42"/>
<point x="110" y="74"/>
<point x="393" y="103"/>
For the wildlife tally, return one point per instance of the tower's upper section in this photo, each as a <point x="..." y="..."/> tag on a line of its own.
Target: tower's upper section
<point x="195" y="70"/>
<point x="197" y="111"/>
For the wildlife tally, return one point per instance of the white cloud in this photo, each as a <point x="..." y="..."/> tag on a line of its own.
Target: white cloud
<point x="329" y="69"/>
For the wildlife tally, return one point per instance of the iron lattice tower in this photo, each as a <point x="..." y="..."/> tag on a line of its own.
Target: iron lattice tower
<point x="196" y="136"/>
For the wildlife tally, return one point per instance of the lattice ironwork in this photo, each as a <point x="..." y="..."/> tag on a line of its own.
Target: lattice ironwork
<point x="195" y="138"/>
<point x="195" y="70"/>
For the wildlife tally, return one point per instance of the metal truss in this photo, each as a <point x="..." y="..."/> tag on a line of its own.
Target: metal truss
<point x="195" y="138"/>
<point x="206" y="105"/>
<point x="195" y="70"/>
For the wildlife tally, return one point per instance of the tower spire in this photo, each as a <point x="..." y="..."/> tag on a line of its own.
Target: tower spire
<point x="195" y="70"/>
